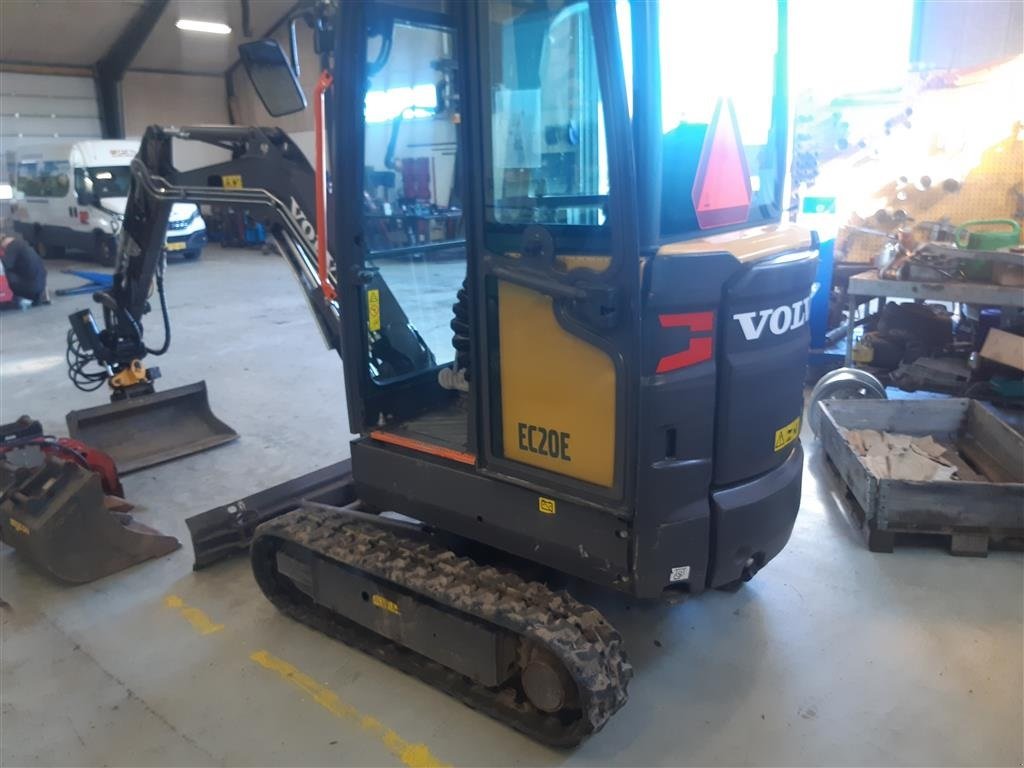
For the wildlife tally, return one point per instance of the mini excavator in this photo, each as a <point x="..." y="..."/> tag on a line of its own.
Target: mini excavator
<point x="616" y="395"/>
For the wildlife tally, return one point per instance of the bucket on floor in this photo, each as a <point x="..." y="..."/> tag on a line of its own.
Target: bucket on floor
<point x="57" y="516"/>
<point x="151" y="429"/>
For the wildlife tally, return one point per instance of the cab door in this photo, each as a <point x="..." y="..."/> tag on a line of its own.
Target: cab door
<point x="397" y="231"/>
<point x="553" y="250"/>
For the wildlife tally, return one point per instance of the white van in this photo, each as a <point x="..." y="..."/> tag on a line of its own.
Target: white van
<point x="73" y="196"/>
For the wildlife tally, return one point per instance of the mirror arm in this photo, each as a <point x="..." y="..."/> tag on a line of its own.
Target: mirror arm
<point x="293" y="46"/>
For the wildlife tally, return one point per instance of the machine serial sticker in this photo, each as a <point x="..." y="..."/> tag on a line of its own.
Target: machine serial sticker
<point x="679" y="573"/>
<point x="231" y="181"/>
<point x="384" y="604"/>
<point x="22" y="528"/>
<point x="787" y="434"/>
<point x="373" y="309"/>
<point x="547" y="506"/>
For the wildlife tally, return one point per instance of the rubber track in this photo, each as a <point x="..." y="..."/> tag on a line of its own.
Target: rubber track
<point x="588" y="646"/>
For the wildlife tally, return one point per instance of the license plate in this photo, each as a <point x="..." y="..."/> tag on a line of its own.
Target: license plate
<point x="175" y="246"/>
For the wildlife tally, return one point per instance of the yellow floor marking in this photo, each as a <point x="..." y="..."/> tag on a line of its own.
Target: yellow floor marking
<point x="200" y="622"/>
<point x="411" y="755"/>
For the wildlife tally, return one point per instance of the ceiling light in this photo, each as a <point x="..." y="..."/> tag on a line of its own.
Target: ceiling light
<point x="213" y="27"/>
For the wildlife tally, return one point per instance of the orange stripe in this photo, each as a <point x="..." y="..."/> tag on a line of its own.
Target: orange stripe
<point x="419" y="445"/>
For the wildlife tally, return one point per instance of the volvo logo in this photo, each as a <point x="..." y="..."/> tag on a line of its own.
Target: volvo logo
<point x="308" y="231"/>
<point x="778" y="320"/>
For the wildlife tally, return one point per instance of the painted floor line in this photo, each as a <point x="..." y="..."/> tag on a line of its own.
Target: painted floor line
<point x="411" y="755"/>
<point x="200" y="622"/>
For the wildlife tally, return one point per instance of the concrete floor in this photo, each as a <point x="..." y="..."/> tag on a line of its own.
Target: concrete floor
<point x="831" y="656"/>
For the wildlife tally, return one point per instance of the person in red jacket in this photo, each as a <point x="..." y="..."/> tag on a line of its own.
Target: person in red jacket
<point x="26" y="273"/>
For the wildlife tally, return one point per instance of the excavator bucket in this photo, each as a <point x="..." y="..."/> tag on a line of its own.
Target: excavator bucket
<point x="151" y="429"/>
<point x="57" y="517"/>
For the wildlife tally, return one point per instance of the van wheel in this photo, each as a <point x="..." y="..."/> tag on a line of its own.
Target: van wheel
<point x="104" y="250"/>
<point x="46" y="251"/>
<point x="49" y="251"/>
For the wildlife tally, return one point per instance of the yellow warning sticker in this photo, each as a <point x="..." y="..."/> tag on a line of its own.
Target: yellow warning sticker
<point x="373" y="309"/>
<point x="547" y="506"/>
<point x="231" y="181"/>
<point x="384" y="604"/>
<point x="18" y="526"/>
<point x="787" y="434"/>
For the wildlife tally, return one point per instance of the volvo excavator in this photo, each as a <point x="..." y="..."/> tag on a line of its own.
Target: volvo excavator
<point x="598" y="188"/>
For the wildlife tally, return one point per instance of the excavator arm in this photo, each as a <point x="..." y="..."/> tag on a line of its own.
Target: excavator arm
<point x="269" y="176"/>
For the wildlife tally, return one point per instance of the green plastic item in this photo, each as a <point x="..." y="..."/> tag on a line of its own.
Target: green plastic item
<point x="1008" y="387"/>
<point x="986" y="240"/>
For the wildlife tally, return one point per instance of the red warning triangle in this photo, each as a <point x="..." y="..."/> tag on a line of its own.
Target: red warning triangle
<point x="721" y="188"/>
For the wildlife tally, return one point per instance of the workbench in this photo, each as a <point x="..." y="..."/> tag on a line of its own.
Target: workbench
<point x="868" y="285"/>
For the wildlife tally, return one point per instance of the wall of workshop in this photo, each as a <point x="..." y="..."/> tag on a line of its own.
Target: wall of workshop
<point x="42" y="109"/>
<point x="162" y="99"/>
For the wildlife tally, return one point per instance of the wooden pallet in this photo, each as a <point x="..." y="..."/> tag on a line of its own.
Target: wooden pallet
<point x="963" y="542"/>
<point x="973" y="514"/>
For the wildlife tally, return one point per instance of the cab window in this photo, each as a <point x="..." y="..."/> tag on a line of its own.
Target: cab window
<point x="104" y="181"/>
<point x="723" y="158"/>
<point x="547" y="153"/>
<point x="44" y="178"/>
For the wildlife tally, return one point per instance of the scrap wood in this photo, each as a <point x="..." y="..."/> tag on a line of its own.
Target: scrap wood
<point x="902" y="457"/>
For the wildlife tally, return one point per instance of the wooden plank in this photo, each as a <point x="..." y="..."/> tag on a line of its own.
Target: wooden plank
<point x="942" y="419"/>
<point x="952" y="505"/>
<point x="1005" y="348"/>
<point x="862" y="484"/>
<point x="998" y="440"/>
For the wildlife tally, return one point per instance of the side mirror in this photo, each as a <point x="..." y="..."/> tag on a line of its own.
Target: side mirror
<point x="272" y="76"/>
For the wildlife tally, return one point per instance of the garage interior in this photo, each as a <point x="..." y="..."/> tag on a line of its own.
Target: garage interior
<point x="854" y="637"/>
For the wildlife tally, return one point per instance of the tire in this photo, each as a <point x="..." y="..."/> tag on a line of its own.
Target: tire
<point x="104" y="250"/>
<point x="842" y="384"/>
<point x="44" y="250"/>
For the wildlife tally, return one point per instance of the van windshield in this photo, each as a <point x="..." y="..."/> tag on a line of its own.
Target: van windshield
<point x="107" y="181"/>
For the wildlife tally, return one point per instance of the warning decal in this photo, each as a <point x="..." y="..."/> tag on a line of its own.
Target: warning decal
<point x="787" y="434"/>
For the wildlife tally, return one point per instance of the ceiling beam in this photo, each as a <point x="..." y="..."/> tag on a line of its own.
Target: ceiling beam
<point x="110" y="70"/>
<point x="183" y="72"/>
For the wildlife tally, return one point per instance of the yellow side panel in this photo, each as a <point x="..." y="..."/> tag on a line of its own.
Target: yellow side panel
<point x="557" y="391"/>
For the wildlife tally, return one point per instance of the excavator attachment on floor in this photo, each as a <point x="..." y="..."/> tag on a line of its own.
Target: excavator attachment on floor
<point x="57" y="516"/>
<point x="150" y="429"/>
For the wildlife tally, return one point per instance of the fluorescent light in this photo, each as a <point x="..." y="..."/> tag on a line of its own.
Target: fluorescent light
<point x="104" y="175"/>
<point x="213" y="27"/>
